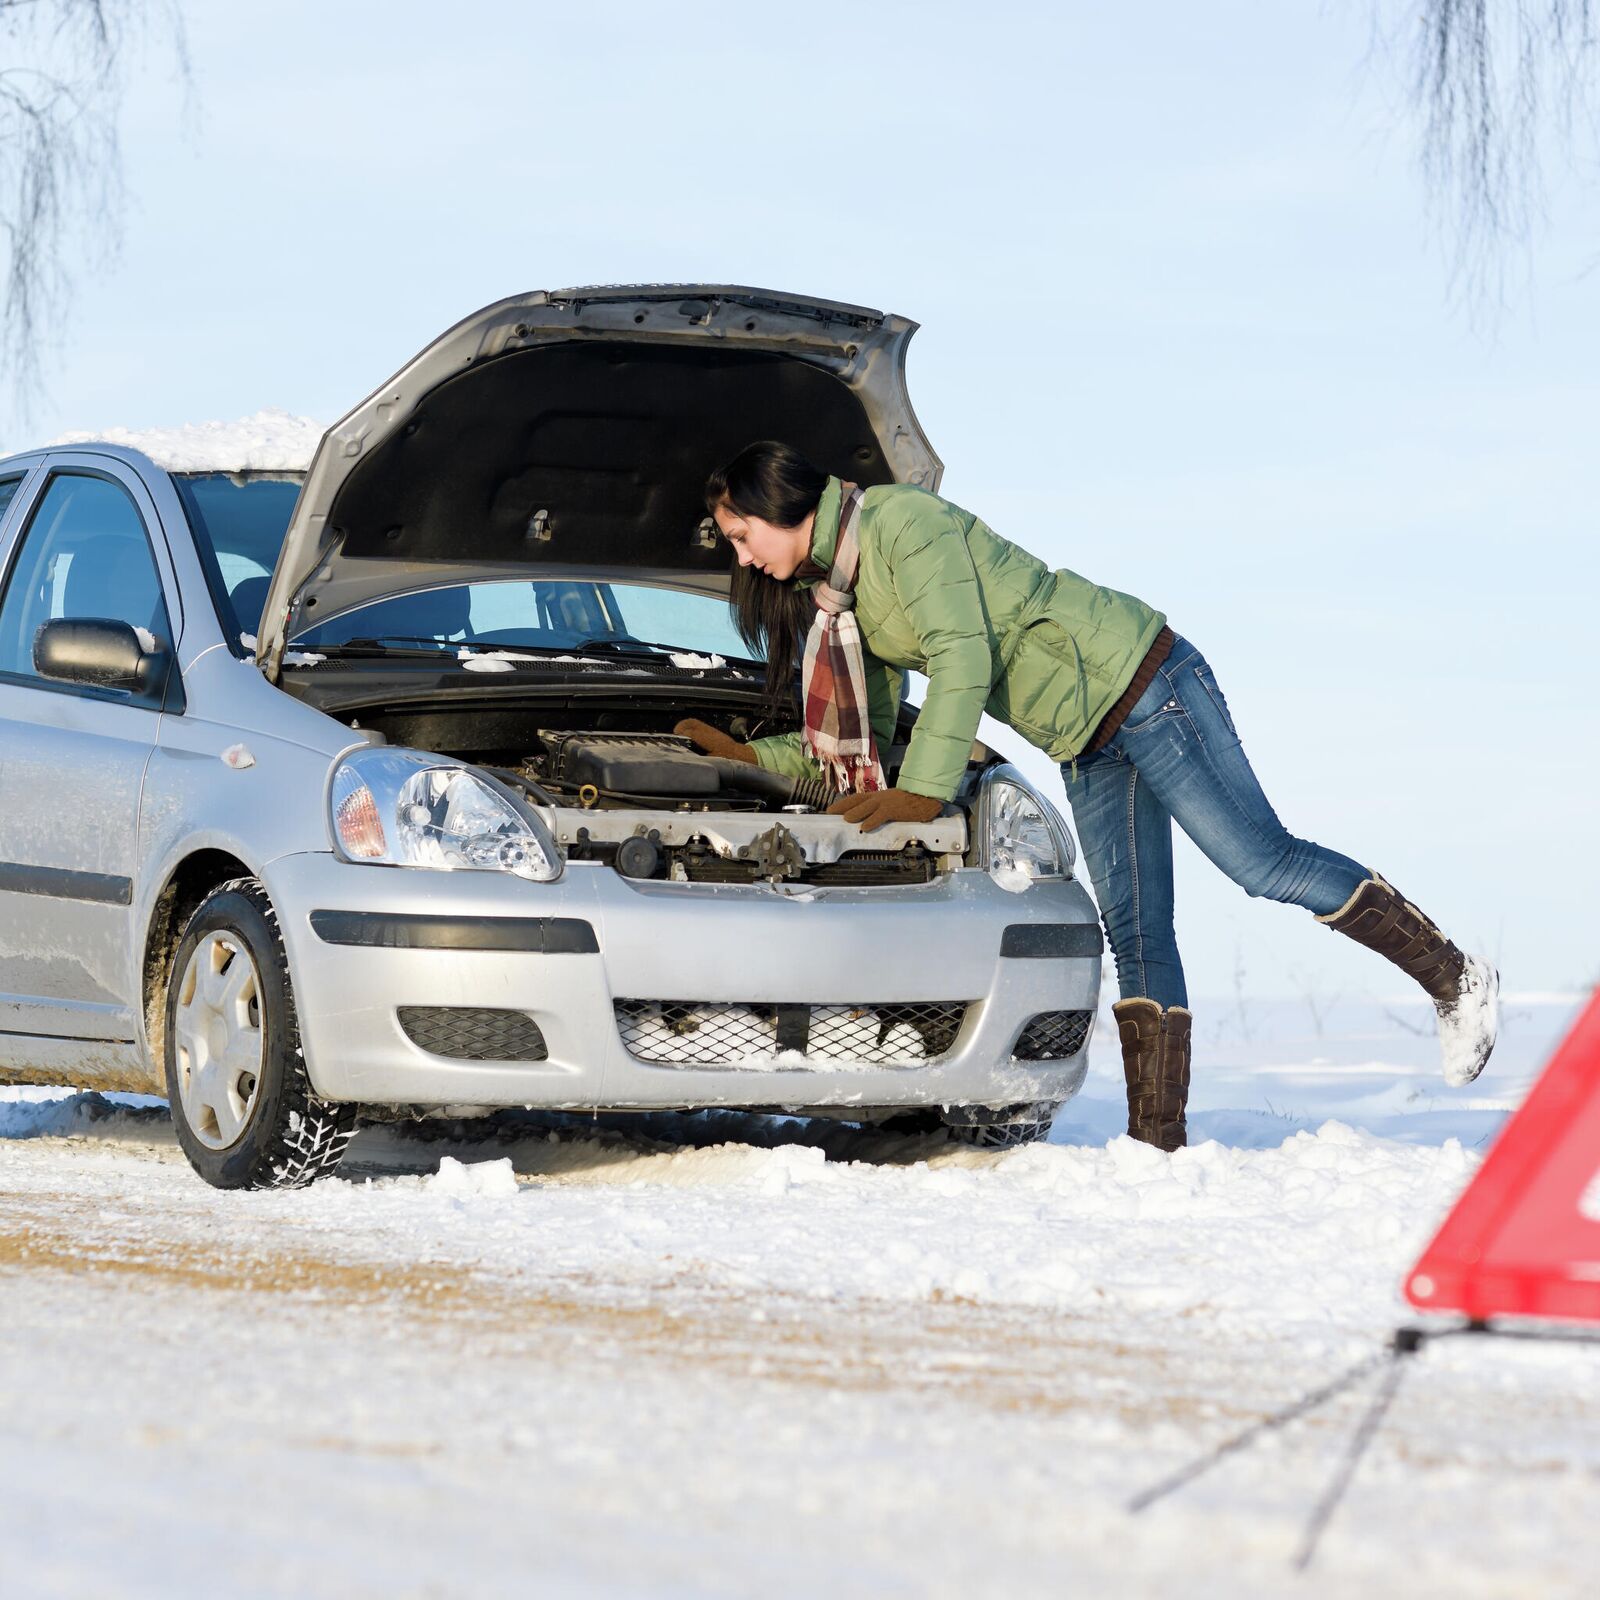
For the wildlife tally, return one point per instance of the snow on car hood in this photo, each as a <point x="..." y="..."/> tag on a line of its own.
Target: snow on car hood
<point x="569" y="433"/>
<point x="270" y="441"/>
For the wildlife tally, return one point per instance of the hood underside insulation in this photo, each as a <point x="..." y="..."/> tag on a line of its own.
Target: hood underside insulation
<point x="589" y="454"/>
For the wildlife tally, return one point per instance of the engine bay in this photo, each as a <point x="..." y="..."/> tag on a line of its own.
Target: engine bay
<point x="636" y="794"/>
<point x="619" y="788"/>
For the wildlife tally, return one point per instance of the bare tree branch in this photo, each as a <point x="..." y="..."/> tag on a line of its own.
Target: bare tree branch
<point x="1499" y="85"/>
<point x="61" y="197"/>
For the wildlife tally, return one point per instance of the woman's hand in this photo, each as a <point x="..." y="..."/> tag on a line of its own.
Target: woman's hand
<point x="714" y="741"/>
<point x="874" y="807"/>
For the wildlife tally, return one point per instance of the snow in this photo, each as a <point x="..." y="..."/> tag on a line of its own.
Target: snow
<point x="1467" y="1030"/>
<point x="725" y="1354"/>
<point x="147" y="640"/>
<point x="270" y="441"/>
<point x="1011" y="878"/>
<point x="476" y="1179"/>
<point x="691" y="662"/>
<point x="501" y="660"/>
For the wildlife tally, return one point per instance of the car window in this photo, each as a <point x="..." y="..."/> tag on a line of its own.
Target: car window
<point x="239" y="522"/>
<point x="8" y="488"/>
<point x="540" y="613"/>
<point x="85" y="554"/>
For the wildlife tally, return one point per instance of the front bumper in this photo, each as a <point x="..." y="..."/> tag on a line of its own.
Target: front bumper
<point x="709" y="943"/>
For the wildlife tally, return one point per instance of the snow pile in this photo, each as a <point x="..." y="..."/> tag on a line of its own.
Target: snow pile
<point x="461" y="1180"/>
<point x="1313" y="1235"/>
<point x="691" y="662"/>
<point x="270" y="441"/>
<point x="499" y="660"/>
<point x="40" y="1113"/>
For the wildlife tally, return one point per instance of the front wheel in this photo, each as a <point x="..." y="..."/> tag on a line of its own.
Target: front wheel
<point x="242" y="1104"/>
<point x="1002" y="1127"/>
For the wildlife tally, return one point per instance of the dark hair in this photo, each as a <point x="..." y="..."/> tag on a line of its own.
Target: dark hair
<point x="776" y="483"/>
<point x="769" y="480"/>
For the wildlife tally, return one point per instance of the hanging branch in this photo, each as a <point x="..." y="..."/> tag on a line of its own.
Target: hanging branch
<point x="1497" y="83"/>
<point x="60" y="162"/>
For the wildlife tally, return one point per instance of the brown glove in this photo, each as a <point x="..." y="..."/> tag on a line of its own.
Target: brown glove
<point x="874" y="807"/>
<point x="714" y="741"/>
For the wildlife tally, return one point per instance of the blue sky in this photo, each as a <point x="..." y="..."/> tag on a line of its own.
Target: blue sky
<point x="1186" y="329"/>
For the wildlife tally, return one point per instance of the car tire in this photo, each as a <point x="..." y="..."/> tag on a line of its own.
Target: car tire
<point x="1005" y="1129"/>
<point x="242" y="1104"/>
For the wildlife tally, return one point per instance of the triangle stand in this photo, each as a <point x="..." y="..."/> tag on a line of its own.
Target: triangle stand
<point x="1391" y="1360"/>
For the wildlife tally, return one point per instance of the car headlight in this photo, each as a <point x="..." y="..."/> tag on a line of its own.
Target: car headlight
<point x="1022" y="832"/>
<point x="402" y="808"/>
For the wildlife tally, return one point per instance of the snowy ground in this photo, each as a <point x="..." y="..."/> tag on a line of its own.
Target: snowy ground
<point x="730" y="1356"/>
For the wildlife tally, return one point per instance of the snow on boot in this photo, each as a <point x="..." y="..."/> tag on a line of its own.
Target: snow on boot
<point x="1467" y="1029"/>
<point x="1465" y="990"/>
<point x="1155" y="1061"/>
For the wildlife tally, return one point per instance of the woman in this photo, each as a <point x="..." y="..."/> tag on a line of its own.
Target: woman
<point x="856" y="587"/>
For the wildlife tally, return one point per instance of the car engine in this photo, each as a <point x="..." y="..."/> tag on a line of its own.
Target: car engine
<point x="600" y="768"/>
<point x="653" y="806"/>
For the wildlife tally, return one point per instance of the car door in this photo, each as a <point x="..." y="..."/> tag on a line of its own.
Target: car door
<point x="72" y="758"/>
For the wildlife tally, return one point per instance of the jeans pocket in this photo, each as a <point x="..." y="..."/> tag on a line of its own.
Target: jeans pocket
<point x="1208" y="682"/>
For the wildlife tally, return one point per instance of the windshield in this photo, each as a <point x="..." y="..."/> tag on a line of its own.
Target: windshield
<point x="239" y="520"/>
<point x="539" y="614"/>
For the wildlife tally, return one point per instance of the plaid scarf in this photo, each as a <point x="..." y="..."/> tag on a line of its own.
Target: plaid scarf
<point x="838" y="733"/>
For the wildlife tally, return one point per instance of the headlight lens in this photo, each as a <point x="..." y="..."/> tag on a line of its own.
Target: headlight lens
<point x="402" y="808"/>
<point x="1025" y="835"/>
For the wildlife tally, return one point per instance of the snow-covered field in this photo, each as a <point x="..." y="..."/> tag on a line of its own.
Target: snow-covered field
<point x="725" y="1355"/>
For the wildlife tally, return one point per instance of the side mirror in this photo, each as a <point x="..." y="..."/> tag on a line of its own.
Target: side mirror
<point x="98" y="651"/>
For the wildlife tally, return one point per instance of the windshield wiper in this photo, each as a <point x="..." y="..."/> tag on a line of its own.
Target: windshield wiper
<point x="425" y="646"/>
<point x="635" y="647"/>
<point x="628" y="647"/>
<point x="389" y="644"/>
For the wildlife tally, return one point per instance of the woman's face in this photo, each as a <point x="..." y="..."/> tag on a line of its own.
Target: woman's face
<point x="775" y="551"/>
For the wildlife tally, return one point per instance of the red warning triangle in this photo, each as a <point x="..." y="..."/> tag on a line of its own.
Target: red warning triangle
<point x="1524" y="1239"/>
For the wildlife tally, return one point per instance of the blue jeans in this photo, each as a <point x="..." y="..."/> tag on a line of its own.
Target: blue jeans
<point x="1178" y="758"/>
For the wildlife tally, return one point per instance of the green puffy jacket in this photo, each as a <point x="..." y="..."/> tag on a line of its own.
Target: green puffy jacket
<point x="992" y="627"/>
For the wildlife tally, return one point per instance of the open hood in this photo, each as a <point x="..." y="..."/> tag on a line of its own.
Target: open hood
<point x="570" y="433"/>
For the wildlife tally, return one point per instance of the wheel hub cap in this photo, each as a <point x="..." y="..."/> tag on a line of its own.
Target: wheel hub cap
<point x="219" y="1039"/>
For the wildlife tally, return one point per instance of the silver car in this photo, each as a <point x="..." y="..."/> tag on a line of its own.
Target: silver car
<point x="350" y="793"/>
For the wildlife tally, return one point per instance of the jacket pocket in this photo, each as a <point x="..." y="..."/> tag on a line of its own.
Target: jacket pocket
<point x="1042" y="687"/>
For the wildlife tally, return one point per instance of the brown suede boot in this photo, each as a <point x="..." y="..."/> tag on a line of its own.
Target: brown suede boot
<point x="1465" y="990"/>
<point x="1155" y="1061"/>
<point x="1383" y="920"/>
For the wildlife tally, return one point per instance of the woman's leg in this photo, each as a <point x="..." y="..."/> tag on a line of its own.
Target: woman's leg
<point x="1127" y="846"/>
<point x="1126" y="836"/>
<point x="1181" y="739"/>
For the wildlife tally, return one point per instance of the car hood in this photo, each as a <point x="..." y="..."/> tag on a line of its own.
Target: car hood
<point x="569" y="434"/>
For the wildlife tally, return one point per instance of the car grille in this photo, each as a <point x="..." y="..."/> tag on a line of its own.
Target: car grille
<point x="474" y="1033"/>
<point x="1053" y="1036"/>
<point x="702" y="1033"/>
<point x="857" y="869"/>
